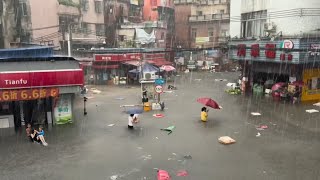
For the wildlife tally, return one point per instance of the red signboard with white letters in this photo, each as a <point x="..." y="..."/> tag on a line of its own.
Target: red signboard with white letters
<point x="38" y="79"/>
<point x="118" y="57"/>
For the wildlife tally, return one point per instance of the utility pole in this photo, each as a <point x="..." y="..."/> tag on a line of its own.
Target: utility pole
<point x="70" y="40"/>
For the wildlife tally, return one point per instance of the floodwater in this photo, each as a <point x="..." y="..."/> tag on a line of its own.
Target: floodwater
<point x="90" y="149"/>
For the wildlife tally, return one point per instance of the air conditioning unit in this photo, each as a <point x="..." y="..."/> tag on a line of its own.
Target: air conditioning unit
<point x="149" y="75"/>
<point x="269" y="27"/>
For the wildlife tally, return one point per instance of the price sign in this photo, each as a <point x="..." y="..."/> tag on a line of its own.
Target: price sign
<point x="28" y="94"/>
<point x="158" y="89"/>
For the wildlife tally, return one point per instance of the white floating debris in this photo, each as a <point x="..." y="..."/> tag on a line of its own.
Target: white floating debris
<point x="317" y="104"/>
<point x="255" y="114"/>
<point x="258" y="134"/>
<point x="174" y="154"/>
<point x="197" y="79"/>
<point x="312" y="111"/>
<point x="95" y="91"/>
<point x="114" y="177"/>
<point x="167" y="91"/>
<point x="231" y="84"/>
<point x="226" y="140"/>
<point x="110" y="125"/>
<point x="157" y="138"/>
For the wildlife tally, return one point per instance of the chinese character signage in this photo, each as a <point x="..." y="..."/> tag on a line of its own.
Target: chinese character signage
<point x="255" y="50"/>
<point x="241" y="50"/>
<point x="270" y="51"/>
<point x="27" y="94"/>
<point x="63" y="110"/>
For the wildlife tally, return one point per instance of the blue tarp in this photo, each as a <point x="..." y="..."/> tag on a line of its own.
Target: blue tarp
<point x="33" y="52"/>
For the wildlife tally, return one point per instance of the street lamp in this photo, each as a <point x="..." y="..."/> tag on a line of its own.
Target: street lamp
<point x="84" y="106"/>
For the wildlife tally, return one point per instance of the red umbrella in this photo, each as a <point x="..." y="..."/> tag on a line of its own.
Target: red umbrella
<point x="278" y="86"/>
<point x="209" y="102"/>
<point x="167" y="68"/>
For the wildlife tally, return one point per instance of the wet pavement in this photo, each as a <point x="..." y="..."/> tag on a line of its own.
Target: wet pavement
<point x="90" y="149"/>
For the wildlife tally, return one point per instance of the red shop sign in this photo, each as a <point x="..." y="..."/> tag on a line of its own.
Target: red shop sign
<point x="37" y="79"/>
<point x="28" y="94"/>
<point x="270" y="51"/>
<point x="241" y="50"/>
<point x="117" y="57"/>
<point x="255" y="50"/>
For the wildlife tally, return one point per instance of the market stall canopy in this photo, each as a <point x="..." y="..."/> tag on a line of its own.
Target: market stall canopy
<point x="146" y="68"/>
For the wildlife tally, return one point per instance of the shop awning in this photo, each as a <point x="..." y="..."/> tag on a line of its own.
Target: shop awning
<point x="161" y="63"/>
<point x="133" y="63"/>
<point x="106" y="66"/>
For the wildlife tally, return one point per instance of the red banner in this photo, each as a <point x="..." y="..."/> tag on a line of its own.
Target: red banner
<point x="28" y="94"/>
<point x="118" y="57"/>
<point x="36" y="79"/>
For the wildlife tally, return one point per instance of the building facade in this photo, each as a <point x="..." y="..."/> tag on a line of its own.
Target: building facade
<point x="37" y="87"/>
<point x="52" y="21"/>
<point x="15" y="22"/>
<point x="201" y="24"/>
<point x="276" y="43"/>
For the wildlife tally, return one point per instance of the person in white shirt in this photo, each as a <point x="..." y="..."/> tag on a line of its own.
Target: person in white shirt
<point x="132" y="119"/>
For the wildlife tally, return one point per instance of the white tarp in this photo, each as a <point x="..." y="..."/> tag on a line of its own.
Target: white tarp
<point x="143" y="37"/>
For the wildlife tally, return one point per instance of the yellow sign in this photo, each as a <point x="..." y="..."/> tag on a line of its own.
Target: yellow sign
<point x="28" y="94"/>
<point x="202" y="40"/>
<point x="311" y="88"/>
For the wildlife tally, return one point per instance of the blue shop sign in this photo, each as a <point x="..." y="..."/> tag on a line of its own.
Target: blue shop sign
<point x="159" y="81"/>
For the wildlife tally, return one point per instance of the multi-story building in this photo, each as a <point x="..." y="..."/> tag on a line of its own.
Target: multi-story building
<point x="15" y="22"/>
<point x="201" y="23"/>
<point x="277" y="40"/>
<point x="52" y="21"/>
<point x="162" y="11"/>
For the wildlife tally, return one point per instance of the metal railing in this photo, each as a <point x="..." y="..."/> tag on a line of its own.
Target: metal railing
<point x="209" y="17"/>
<point x="202" y="2"/>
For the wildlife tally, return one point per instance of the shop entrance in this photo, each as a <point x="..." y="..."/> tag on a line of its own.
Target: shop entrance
<point x="31" y="111"/>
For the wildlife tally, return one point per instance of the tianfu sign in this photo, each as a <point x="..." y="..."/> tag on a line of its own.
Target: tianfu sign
<point x="41" y="78"/>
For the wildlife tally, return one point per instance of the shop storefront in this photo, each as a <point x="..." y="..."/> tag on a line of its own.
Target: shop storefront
<point x="285" y="60"/>
<point x="111" y="66"/>
<point x="38" y="90"/>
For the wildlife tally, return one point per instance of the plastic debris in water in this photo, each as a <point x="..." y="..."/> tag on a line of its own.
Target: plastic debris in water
<point x="226" y="140"/>
<point x="114" y="177"/>
<point x="110" y="125"/>
<point x="317" y="104"/>
<point x="262" y="127"/>
<point x="187" y="157"/>
<point x="312" y="111"/>
<point x="258" y="134"/>
<point x="182" y="173"/>
<point x="158" y="115"/>
<point x="255" y="114"/>
<point x="169" y="129"/>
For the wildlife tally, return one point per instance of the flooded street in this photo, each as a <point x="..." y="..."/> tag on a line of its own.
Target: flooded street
<point x="91" y="148"/>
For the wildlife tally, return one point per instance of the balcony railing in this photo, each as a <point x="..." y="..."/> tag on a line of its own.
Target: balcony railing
<point x="68" y="10"/>
<point x="209" y="17"/>
<point x="148" y="24"/>
<point x="202" y="2"/>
